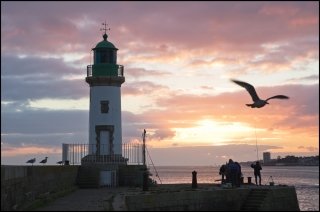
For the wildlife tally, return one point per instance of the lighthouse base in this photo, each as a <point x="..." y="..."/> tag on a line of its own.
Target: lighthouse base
<point x="104" y="159"/>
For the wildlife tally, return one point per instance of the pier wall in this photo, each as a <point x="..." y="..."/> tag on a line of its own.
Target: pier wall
<point x="281" y="199"/>
<point x="278" y="199"/>
<point x="23" y="184"/>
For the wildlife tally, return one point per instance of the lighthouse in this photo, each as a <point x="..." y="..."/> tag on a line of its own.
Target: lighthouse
<point x="105" y="78"/>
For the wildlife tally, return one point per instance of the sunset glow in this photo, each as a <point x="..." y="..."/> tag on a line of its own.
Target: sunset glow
<point x="178" y="60"/>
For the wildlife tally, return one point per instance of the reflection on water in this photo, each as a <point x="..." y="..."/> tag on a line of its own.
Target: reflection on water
<point x="304" y="178"/>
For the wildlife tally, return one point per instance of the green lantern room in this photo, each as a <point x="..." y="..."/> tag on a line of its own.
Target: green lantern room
<point x="104" y="60"/>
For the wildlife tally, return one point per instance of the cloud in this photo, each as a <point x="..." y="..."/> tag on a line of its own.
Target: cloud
<point x="141" y="72"/>
<point x="41" y="121"/>
<point x="206" y="87"/>
<point x="279" y="10"/>
<point x="37" y="67"/>
<point x="162" y="134"/>
<point x="40" y="78"/>
<point x="310" y="77"/>
<point x="310" y="148"/>
<point x="175" y="71"/>
<point x="143" y="88"/>
<point x="227" y="31"/>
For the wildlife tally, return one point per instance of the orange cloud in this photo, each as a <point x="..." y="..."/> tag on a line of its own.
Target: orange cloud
<point x="305" y="21"/>
<point x="29" y="151"/>
<point x="281" y="121"/>
<point x="279" y="10"/>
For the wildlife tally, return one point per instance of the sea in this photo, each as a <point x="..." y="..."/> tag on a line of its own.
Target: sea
<point x="304" y="178"/>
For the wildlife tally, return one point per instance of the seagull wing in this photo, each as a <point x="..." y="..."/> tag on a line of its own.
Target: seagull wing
<point x="249" y="88"/>
<point x="278" y="97"/>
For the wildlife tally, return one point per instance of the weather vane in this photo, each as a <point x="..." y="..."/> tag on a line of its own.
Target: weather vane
<point x="105" y="27"/>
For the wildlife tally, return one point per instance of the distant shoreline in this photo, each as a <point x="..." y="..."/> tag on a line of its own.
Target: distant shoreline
<point x="273" y="164"/>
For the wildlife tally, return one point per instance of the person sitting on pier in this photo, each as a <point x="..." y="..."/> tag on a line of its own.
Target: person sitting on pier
<point x="257" y="173"/>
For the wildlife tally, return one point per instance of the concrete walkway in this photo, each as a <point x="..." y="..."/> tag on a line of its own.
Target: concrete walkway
<point x="89" y="200"/>
<point x="99" y="199"/>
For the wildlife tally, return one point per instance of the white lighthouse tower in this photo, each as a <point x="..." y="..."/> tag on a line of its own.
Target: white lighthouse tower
<point x="105" y="77"/>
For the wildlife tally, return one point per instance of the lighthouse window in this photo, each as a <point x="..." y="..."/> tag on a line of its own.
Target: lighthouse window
<point x="104" y="106"/>
<point x="105" y="56"/>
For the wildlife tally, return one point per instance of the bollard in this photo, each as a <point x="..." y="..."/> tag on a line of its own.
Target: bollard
<point x="249" y="180"/>
<point x="241" y="180"/>
<point x="145" y="181"/>
<point x="194" y="179"/>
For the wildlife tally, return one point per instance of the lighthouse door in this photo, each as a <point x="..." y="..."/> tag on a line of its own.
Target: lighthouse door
<point x="104" y="142"/>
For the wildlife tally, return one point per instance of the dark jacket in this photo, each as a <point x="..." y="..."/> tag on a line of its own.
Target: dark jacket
<point x="256" y="168"/>
<point x="238" y="167"/>
<point x="233" y="166"/>
<point x="222" y="169"/>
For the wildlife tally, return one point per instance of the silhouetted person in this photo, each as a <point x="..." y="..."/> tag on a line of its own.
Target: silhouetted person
<point x="228" y="179"/>
<point x="233" y="171"/>
<point x="239" y="174"/>
<point x="257" y="173"/>
<point x="222" y="172"/>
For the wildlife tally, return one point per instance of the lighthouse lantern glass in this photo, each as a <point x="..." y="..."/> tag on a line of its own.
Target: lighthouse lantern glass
<point x="105" y="56"/>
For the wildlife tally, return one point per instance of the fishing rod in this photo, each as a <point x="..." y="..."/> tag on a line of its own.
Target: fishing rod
<point x="256" y="140"/>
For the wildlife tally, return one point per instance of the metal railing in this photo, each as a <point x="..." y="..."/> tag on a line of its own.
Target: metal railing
<point x="89" y="71"/>
<point x="120" y="70"/>
<point x="103" y="154"/>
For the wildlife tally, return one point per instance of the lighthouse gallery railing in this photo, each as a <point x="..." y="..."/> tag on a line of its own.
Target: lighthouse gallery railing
<point x="120" y="70"/>
<point x="74" y="153"/>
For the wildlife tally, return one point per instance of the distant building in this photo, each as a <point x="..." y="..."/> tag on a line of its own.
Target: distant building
<point x="266" y="157"/>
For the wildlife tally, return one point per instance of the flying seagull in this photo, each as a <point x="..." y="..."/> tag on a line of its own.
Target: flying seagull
<point x="44" y="161"/>
<point x="31" y="161"/>
<point x="257" y="102"/>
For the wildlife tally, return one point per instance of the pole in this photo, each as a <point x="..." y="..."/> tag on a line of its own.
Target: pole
<point x="144" y="147"/>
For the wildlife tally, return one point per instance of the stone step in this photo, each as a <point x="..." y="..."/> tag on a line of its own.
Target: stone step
<point x="255" y="199"/>
<point x="250" y="208"/>
<point x="251" y="201"/>
<point x="257" y="193"/>
<point x="253" y="205"/>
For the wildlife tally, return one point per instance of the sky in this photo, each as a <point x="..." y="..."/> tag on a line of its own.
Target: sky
<point x="178" y="60"/>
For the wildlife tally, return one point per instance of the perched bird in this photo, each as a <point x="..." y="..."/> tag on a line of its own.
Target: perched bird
<point x="60" y="162"/>
<point x="44" y="161"/>
<point x="31" y="161"/>
<point x="257" y="102"/>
